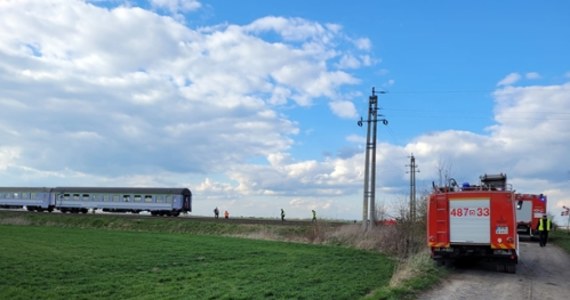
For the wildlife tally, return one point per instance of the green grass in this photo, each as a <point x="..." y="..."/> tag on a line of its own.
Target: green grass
<point x="46" y="262"/>
<point x="560" y="238"/>
<point x="413" y="275"/>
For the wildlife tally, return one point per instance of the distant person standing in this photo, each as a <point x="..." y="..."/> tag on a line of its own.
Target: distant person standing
<point x="216" y="213"/>
<point x="543" y="228"/>
<point x="226" y="214"/>
<point x="282" y="215"/>
<point x="314" y="215"/>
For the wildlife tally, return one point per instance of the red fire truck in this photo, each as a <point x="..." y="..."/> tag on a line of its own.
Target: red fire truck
<point x="530" y="208"/>
<point x="474" y="222"/>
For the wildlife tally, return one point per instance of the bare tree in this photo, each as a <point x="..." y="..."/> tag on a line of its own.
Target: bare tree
<point x="444" y="171"/>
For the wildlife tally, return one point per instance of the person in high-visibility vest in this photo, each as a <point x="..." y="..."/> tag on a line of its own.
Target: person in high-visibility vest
<point x="544" y="225"/>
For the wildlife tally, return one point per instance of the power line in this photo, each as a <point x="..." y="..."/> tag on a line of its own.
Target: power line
<point x="443" y="92"/>
<point x="467" y="114"/>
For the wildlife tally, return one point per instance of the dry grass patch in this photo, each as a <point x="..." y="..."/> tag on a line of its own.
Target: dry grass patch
<point x="401" y="240"/>
<point x="410" y="268"/>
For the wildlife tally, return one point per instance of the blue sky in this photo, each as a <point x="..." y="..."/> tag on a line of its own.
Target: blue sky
<point x="253" y="104"/>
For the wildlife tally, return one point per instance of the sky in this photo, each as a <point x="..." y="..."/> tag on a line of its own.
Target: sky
<point x="253" y="105"/>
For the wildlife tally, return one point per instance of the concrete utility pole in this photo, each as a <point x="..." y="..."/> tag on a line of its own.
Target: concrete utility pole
<point x="369" y="212"/>
<point x="413" y="172"/>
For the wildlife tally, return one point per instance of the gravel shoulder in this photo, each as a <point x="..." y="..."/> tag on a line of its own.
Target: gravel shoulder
<point x="542" y="273"/>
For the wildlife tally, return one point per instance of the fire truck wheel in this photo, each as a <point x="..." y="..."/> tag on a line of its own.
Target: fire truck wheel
<point x="501" y="267"/>
<point x="511" y="268"/>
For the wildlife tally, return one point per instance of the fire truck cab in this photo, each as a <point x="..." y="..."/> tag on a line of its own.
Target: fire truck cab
<point x="474" y="222"/>
<point x="530" y="208"/>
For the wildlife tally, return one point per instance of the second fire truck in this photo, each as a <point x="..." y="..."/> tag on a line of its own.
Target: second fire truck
<point x="530" y="208"/>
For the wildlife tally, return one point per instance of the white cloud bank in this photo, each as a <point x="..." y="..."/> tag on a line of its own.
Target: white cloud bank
<point x="124" y="96"/>
<point x="117" y="96"/>
<point x="81" y="82"/>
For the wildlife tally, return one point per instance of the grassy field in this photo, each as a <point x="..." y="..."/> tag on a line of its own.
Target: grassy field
<point x="90" y="256"/>
<point x="87" y="263"/>
<point x="560" y="238"/>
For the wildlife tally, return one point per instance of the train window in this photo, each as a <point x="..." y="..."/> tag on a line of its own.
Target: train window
<point x="137" y="198"/>
<point x="147" y="198"/>
<point x="75" y="196"/>
<point x="86" y="197"/>
<point x="95" y="197"/>
<point x="65" y="196"/>
<point x="126" y="198"/>
<point x="169" y="199"/>
<point x="16" y="195"/>
<point x="160" y="199"/>
<point x="116" y="198"/>
<point x="33" y="195"/>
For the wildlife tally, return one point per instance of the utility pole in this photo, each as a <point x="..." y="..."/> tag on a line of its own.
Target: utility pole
<point x="369" y="202"/>
<point x="413" y="172"/>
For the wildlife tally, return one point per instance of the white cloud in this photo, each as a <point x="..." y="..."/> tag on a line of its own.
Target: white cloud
<point x="175" y="6"/>
<point x="363" y="44"/>
<point x="510" y="79"/>
<point x="532" y="75"/>
<point x="529" y="138"/>
<point x="358" y="139"/>
<point x="343" y="109"/>
<point x="349" y="62"/>
<point x="294" y="29"/>
<point x="513" y="78"/>
<point x="126" y="96"/>
<point x="8" y="155"/>
<point x="285" y="176"/>
<point x="131" y="81"/>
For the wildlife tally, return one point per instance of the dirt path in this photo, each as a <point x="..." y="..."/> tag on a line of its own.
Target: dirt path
<point x="542" y="273"/>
